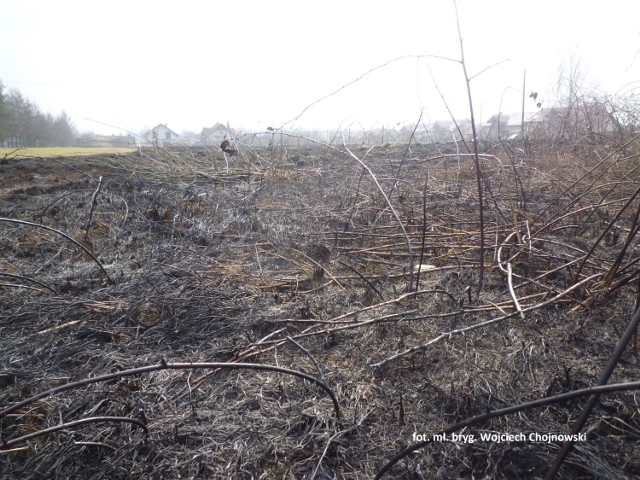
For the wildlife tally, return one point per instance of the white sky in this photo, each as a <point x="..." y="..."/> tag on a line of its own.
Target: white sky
<point x="259" y="63"/>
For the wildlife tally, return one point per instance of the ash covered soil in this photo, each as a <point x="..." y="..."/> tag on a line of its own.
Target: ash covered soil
<point x="294" y="259"/>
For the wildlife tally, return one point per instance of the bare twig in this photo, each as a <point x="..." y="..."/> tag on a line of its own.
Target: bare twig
<point x="171" y="366"/>
<point x="8" y="443"/>
<point x="516" y="304"/>
<point x="475" y="326"/>
<point x="94" y="200"/>
<point x="632" y="328"/>
<point x="393" y="211"/>
<point x="21" y="277"/>
<point x="315" y="362"/>
<point x="364" y="279"/>
<point x="563" y="397"/>
<point x="476" y="158"/>
<point x="368" y="72"/>
<point x="24" y="222"/>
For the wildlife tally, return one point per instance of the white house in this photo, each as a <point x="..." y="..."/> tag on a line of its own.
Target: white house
<point x="216" y="134"/>
<point x="161" y="136"/>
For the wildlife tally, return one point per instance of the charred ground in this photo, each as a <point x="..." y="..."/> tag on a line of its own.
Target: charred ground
<point x="293" y="259"/>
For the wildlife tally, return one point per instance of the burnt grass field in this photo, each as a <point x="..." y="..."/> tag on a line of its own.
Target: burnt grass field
<point x="293" y="259"/>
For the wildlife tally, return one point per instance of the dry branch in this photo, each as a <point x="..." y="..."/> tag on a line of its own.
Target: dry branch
<point x="6" y="444"/>
<point x="597" y="391"/>
<point x="465" y="330"/>
<point x="37" y="225"/>
<point x="170" y="366"/>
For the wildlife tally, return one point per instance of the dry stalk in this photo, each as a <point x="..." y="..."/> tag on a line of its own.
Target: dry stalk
<point x="563" y="397"/>
<point x="476" y="158"/>
<point x="8" y="443"/>
<point x="393" y="211"/>
<point x="631" y="330"/>
<point x="94" y="201"/>
<point x="516" y="304"/>
<point x="37" y="225"/>
<point x="465" y="330"/>
<point x="171" y="366"/>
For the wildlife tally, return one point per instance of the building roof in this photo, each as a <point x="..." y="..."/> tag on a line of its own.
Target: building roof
<point x="216" y="130"/>
<point x="442" y="124"/>
<point x="501" y="117"/>
<point x="515" y="119"/>
<point x="162" y="125"/>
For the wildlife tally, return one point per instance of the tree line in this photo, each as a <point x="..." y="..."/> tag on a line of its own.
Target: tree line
<point x="23" y="124"/>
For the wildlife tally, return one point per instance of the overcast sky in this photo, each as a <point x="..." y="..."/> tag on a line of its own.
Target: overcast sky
<point x="189" y="64"/>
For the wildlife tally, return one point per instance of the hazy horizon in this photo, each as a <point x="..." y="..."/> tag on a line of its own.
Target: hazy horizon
<point x="253" y="65"/>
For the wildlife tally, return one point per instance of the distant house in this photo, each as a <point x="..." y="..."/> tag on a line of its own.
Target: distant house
<point x="515" y="127"/>
<point x="161" y="136"/>
<point x="441" y="131"/>
<point x="216" y="134"/>
<point x="509" y="126"/>
<point x="495" y="128"/>
<point x="466" y="129"/>
<point x="588" y="121"/>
